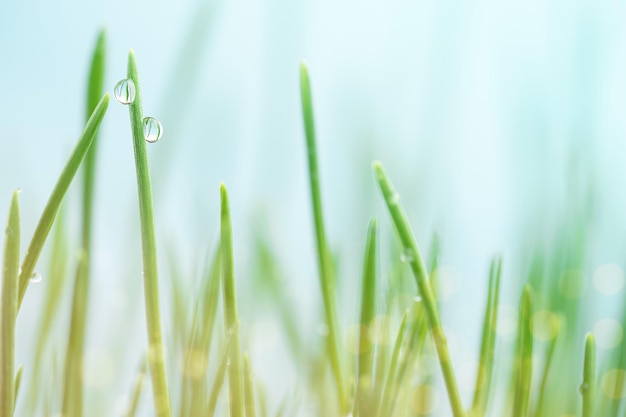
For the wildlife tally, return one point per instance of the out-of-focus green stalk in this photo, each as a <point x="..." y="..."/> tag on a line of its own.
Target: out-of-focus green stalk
<point x="248" y="387"/>
<point x="588" y="386"/>
<point x="137" y="389"/>
<point x="384" y="400"/>
<point x="524" y="356"/>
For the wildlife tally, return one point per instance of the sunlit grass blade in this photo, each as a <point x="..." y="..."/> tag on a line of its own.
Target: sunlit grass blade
<point x="546" y="368"/>
<point x="262" y="400"/>
<point x="385" y="400"/>
<point x="524" y="356"/>
<point x="52" y="206"/>
<point x="8" y="309"/>
<point x="248" y="387"/>
<point x="323" y="253"/>
<point x="156" y="354"/>
<point x="18" y="382"/>
<point x="363" y="380"/>
<point x="231" y="319"/>
<point x="131" y="411"/>
<point x="221" y="372"/>
<point x="487" y="347"/>
<point x="588" y="386"/>
<point x="414" y="258"/>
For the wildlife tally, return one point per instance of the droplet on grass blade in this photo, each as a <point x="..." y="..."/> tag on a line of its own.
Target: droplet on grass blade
<point x="407" y="256"/>
<point x="583" y="388"/>
<point x="152" y="129"/>
<point x="125" y="91"/>
<point x="36" y="278"/>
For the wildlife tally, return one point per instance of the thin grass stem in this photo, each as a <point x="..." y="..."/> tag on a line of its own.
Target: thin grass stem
<point x="588" y="386"/>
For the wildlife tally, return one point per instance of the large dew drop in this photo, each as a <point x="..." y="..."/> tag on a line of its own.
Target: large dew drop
<point x="152" y="129"/>
<point x="125" y="91"/>
<point x="35" y="278"/>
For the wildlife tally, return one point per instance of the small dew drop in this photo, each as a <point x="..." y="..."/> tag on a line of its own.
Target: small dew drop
<point x="395" y="199"/>
<point x="407" y="255"/>
<point x="19" y="190"/>
<point x="124" y="91"/>
<point x="152" y="129"/>
<point x="36" y="278"/>
<point x="583" y="388"/>
<point x="418" y="299"/>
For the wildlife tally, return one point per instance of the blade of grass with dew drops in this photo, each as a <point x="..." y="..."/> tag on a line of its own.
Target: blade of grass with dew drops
<point x="412" y="255"/>
<point x="588" y="386"/>
<point x="324" y="261"/>
<point x="56" y="197"/>
<point x="18" y="382"/>
<point x="546" y="368"/>
<point x="140" y="379"/>
<point x="524" y="355"/>
<point x="385" y="400"/>
<point x="8" y="311"/>
<point x="235" y="383"/>
<point x="156" y="354"/>
<point x="248" y="387"/>
<point x="223" y="363"/>
<point x="363" y="380"/>
<point x="487" y="347"/>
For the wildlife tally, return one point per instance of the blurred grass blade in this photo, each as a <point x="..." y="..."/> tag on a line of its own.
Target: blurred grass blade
<point x="18" y="382"/>
<point x="524" y="356"/>
<point x="137" y="390"/>
<point x="248" y="387"/>
<point x="156" y="354"/>
<point x="485" y="368"/>
<point x="262" y="400"/>
<point x="235" y="383"/>
<point x="385" y="400"/>
<point x="8" y="308"/>
<point x="412" y="255"/>
<point x="52" y="206"/>
<point x="588" y="386"/>
<point x="368" y="310"/>
<point x="543" y="388"/>
<point x="221" y="372"/>
<point x="324" y="261"/>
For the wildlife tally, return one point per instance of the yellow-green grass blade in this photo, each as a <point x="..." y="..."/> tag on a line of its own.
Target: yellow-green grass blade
<point x="156" y="353"/>
<point x="56" y="197"/>
<point x="588" y="386"/>
<point x="223" y="363"/>
<point x="18" y="382"/>
<point x="385" y="400"/>
<point x="131" y="411"/>
<point x="248" y="387"/>
<point x="323" y="253"/>
<point x="546" y="368"/>
<point x="231" y="319"/>
<point x="524" y="356"/>
<point x="414" y="258"/>
<point x="487" y="348"/>
<point x="8" y="310"/>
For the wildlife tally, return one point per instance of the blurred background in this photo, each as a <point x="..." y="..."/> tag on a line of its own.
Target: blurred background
<point x="501" y="124"/>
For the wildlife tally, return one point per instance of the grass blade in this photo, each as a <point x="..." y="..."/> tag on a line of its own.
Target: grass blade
<point x="137" y="390"/>
<point x="324" y="261"/>
<point x="52" y="206"/>
<point x="546" y="369"/>
<point x="485" y="369"/>
<point x="18" y="382"/>
<point x="231" y="319"/>
<point x="156" y="354"/>
<point x="8" y="311"/>
<point x="412" y="255"/>
<point x="524" y="356"/>
<point x="221" y="372"/>
<point x="385" y="400"/>
<point x="588" y="387"/>
<point x="248" y="387"/>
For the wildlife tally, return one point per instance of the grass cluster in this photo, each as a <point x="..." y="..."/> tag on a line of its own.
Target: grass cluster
<point x="379" y="373"/>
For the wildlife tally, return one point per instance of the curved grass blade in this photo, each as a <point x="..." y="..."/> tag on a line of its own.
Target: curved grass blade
<point x="485" y="369"/>
<point x="8" y="310"/>
<point x="588" y="386"/>
<point x="324" y="261"/>
<point x="221" y="372"/>
<point x="385" y="400"/>
<point x="156" y="354"/>
<point x="546" y="369"/>
<point x="18" y="382"/>
<point x="248" y="387"/>
<point x="524" y="356"/>
<point x="137" y="390"/>
<point x="412" y="254"/>
<point x="235" y="383"/>
<point x="52" y="206"/>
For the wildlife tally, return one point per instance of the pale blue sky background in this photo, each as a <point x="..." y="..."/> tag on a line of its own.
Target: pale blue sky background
<point x="477" y="109"/>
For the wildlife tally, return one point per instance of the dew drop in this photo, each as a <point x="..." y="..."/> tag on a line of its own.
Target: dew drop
<point x="19" y="190"/>
<point x="36" y="278"/>
<point x="395" y="199"/>
<point x="124" y="91"/>
<point x="417" y="299"/>
<point x="584" y="388"/>
<point x="407" y="255"/>
<point x="152" y="129"/>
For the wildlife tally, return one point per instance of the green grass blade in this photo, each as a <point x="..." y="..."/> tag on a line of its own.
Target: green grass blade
<point x="248" y="387"/>
<point x="156" y="355"/>
<point x="18" y="382"/>
<point x="368" y="310"/>
<point x="262" y="400"/>
<point x="524" y="356"/>
<point x="221" y="372"/>
<point x="588" y="386"/>
<point x="137" y="390"/>
<point x="385" y="400"/>
<point x="52" y="206"/>
<point x="8" y="310"/>
<point x="546" y="368"/>
<point x="324" y="261"/>
<point x="412" y="254"/>
<point x="231" y="319"/>
<point x="485" y="369"/>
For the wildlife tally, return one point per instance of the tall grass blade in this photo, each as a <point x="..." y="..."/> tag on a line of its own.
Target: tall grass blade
<point x="248" y="387"/>
<point x="543" y="388"/>
<point x="324" y="261"/>
<point x="137" y="390"/>
<point x="18" y="382"/>
<point x="588" y="386"/>
<point x="385" y="400"/>
<point x="221" y="372"/>
<point x="412" y="255"/>
<point x="524" y="356"/>
<point x="156" y="354"/>
<point x="8" y="310"/>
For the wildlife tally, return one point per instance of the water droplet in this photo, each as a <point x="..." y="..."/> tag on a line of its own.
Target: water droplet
<point x="407" y="255"/>
<point x="583" y="388"/>
<point x="152" y="129"/>
<point x="19" y="190"/>
<point x="418" y="299"/>
<point x="124" y="91"/>
<point x="395" y="199"/>
<point x="36" y="278"/>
